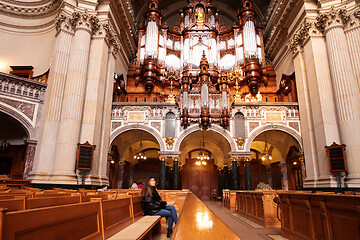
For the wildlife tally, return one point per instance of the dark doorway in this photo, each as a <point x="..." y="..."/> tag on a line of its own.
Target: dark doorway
<point x="5" y="166"/>
<point x="200" y="179"/>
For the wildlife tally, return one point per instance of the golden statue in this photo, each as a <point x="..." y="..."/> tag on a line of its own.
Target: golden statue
<point x="199" y="17"/>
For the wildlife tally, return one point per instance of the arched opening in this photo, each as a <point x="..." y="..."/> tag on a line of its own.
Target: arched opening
<point x="273" y="155"/>
<point x="13" y="138"/>
<point x="208" y="176"/>
<point x="133" y="158"/>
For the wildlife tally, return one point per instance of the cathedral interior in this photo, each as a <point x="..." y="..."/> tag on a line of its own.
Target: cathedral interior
<point x="220" y="98"/>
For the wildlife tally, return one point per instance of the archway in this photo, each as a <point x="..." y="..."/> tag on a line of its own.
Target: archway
<point x="269" y="160"/>
<point x="13" y="137"/>
<point x="133" y="158"/>
<point x="202" y="175"/>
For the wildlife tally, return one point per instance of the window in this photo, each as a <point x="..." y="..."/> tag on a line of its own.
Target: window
<point x="239" y="125"/>
<point x="170" y="125"/>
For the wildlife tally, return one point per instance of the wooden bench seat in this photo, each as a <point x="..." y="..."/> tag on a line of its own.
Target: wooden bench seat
<point x="141" y="229"/>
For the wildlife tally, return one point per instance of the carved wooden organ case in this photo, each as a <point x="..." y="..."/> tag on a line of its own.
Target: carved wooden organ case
<point x="201" y="52"/>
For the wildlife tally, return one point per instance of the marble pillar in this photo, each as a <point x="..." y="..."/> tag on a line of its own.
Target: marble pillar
<point x="346" y="91"/>
<point x="235" y="175"/>
<point x="162" y="173"/>
<point x="120" y="175"/>
<point x="247" y="174"/>
<point x="29" y="157"/>
<point x="44" y="155"/>
<point x="176" y="175"/>
<point x="73" y="101"/>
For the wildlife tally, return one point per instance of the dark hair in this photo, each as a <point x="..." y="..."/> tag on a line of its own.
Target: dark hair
<point x="146" y="191"/>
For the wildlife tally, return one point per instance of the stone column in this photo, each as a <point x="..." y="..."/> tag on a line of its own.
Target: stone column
<point x="73" y="101"/>
<point x="176" y="174"/>
<point x="234" y="174"/>
<point x="306" y="120"/>
<point x="321" y="96"/>
<point x="346" y="90"/>
<point x="94" y="97"/>
<point x="353" y="39"/>
<point x="44" y="155"/>
<point x="162" y="172"/>
<point x="29" y="157"/>
<point x="247" y="174"/>
<point x="106" y="116"/>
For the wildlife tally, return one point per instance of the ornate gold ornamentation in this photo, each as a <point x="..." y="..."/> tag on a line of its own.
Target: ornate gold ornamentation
<point x="240" y="142"/>
<point x="199" y="17"/>
<point x="169" y="142"/>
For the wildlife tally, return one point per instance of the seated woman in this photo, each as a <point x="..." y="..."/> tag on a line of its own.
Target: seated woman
<point x="153" y="205"/>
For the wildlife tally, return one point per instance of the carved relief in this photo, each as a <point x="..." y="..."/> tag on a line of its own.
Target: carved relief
<point x="156" y="125"/>
<point x="115" y="125"/>
<point x="26" y="108"/>
<point x="240" y="142"/>
<point x="169" y="142"/>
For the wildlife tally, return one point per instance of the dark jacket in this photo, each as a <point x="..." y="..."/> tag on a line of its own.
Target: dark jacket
<point x="151" y="205"/>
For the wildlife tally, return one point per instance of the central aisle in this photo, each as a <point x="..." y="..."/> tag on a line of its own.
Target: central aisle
<point x="197" y="221"/>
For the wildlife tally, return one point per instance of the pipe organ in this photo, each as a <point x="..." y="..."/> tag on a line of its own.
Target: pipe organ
<point x="200" y="40"/>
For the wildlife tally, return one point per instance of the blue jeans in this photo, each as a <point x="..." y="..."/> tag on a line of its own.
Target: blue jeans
<point x="170" y="212"/>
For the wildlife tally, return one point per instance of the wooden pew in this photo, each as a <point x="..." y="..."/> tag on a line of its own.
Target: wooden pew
<point x="320" y="215"/>
<point x="116" y="215"/>
<point x="23" y="203"/>
<point x="70" y="222"/>
<point x="137" y="208"/>
<point x="259" y="207"/>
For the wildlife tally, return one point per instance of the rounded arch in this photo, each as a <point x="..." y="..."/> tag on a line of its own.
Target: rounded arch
<point x="22" y="119"/>
<point x="265" y="128"/>
<point x="214" y="128"/>
<point x="147" y="129"/>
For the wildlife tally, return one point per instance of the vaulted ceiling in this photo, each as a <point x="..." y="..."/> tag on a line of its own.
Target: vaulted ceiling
<point x="228" y="10"/>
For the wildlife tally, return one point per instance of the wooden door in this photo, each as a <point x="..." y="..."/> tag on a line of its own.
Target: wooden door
<point x="199" y="179"/>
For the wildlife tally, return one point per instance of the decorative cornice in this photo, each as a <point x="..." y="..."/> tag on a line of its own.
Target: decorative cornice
<point x="36" y="9"/>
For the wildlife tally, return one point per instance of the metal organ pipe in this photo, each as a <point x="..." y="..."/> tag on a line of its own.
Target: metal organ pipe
<point x="250" y="39"/>
<point x="152" y="38"/>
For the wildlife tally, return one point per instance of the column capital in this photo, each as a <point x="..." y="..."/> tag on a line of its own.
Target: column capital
<point x="162" y="158"/>
<point x="62" y="23"/>
<point x="84" y="20"/>
<point x="331" y="19"/>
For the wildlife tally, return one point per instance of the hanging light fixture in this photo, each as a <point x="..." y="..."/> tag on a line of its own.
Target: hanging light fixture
<point x="266" y="154"/>
<point x="202" y="157"/>
<point x="140" y="155"/>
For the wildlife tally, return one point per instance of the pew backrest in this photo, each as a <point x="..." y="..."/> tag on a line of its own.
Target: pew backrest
<point x="70" y="222"/>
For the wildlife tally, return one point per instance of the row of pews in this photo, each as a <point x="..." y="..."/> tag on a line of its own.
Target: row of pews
<point x="299" y="214"/>
<point x="31" y="213"/>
